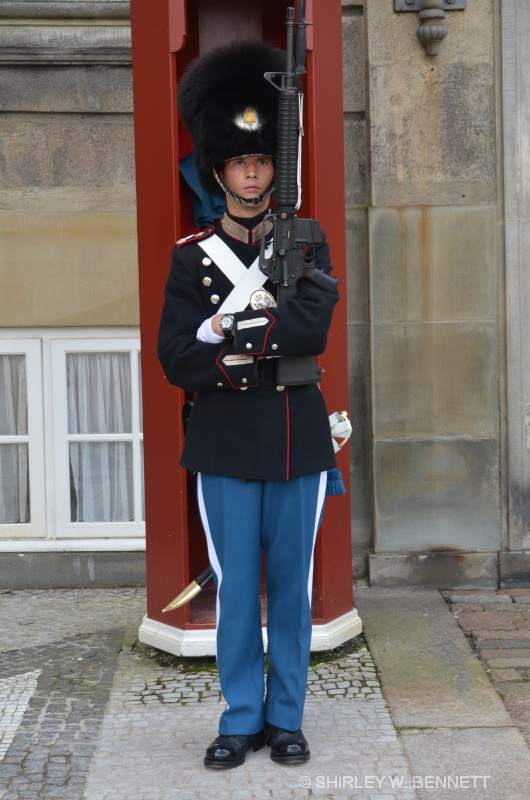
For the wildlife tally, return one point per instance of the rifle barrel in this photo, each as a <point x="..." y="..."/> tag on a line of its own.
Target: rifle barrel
<point x="301" y="40"/>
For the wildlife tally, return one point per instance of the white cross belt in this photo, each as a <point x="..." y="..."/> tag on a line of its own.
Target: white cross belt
<point x="245" y="280"/>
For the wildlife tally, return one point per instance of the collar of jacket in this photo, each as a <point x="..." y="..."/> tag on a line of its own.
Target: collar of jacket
<point x="243" y="234"/>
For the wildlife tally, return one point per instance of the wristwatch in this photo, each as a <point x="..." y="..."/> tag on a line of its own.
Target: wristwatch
<point x="226" y="323"/>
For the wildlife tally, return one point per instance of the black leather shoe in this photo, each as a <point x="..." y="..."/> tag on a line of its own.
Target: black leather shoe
<point x="287" y="747"/>
<point x="229" y="751"/>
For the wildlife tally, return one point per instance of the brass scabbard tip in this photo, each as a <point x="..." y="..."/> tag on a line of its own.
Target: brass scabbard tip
<point x="183" y="598"/>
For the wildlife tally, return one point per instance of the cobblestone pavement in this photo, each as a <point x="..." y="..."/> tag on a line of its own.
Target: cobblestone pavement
<point x="58" y="657"/>
<point x="87" y="715"/>
<point x="497" y="623"/>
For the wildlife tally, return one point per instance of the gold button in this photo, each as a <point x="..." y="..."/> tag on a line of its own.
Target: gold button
<point x="215" y="299"/>
<point x="274" y="346"/>
<point x="206" y="281"/>
<point x="248" y="346"/>
<point x="206" y="262"/>
<point x="280" y="388"/>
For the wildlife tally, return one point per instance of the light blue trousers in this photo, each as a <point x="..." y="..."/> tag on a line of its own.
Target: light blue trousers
<point x="240" y="520"/>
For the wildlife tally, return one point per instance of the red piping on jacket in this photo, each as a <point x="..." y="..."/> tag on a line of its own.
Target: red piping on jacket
<point x="287" y="465"/>
<point x="225" y="373"/>
<point x="217" y="361"/>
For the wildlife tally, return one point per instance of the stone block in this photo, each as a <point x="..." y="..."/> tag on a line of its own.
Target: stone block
<point x="516" y="698"/>
<point x="478" y="597"/>
<point x="505" y="663"/>
<point x="433" y="264"/>
<point x="78" y="269"/>
<point x="75" y="89"/>
<point x="64" y="570"/>
<point x="503" y="675"/>
<point x="360" y="565"/>
<point x="520" y="634"/>
<point x="355" y="160"/>
<point x="501" y="653"/>
<point x="66" y="150"/>
<point x="471" y="622"/>
<point x="64" y="43"/>
<point x="500" y="639"/>
<point x="357" y="267"/>
<point x="360" y="446"/>
<point x="440" y="570"/>
<point x="514" y="569"/>
<point x="435" y="379"/>
<point x="491" y="763"/>
<point x="437" y="495"/>
<point x="456" y="608"/>
<point x="432" y="120"/>
<point x="353" y="61"/>
<point x="66" y="9"/>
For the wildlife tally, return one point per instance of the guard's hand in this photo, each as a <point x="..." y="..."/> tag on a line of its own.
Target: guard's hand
<point x="214" y="322"/>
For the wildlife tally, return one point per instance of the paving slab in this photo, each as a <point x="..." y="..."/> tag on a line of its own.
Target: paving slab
<point x="471" y="621"/>
<point x="480" y="597"/>
<point x="520" y="643"/>
<point x="429" y="674"/>
<point x="505" y="674"/>
<point x="505" y="663"/>
<point x="522" y="653"/>
<point x="498" y="636"/>
<point x="516" y="698"/>
<point x="479" y="763"/>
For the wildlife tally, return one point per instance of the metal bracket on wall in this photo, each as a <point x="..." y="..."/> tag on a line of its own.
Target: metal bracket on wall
<point x="432" y="30"/>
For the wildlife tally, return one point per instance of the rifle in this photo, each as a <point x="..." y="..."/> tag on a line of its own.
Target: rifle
<point x="293" y="239"/>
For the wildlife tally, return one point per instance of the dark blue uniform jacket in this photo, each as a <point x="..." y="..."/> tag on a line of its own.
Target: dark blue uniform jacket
<point x="242" y="425"/>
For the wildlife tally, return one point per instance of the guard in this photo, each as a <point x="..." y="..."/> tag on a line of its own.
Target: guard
<point x="262" y="449"/>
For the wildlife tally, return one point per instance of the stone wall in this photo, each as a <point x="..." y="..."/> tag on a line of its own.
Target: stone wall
<point x="424" y="319"/>
<point x="425" y="229"/>
<point x="67" y="205"/>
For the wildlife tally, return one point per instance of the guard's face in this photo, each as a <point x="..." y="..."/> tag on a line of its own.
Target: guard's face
<point x="249" y="176"/>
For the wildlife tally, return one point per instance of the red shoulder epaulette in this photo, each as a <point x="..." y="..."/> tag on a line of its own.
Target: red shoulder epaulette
<point x="195" y="236"/>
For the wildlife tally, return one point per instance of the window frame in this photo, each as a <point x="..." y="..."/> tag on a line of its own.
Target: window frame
<point x="59" y="348"/>
<point x="36" y="527"/>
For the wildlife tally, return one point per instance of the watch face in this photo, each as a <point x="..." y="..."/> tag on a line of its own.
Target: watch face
<point x="226" y="323"/>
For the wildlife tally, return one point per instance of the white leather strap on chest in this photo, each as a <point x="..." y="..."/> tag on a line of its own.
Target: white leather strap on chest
<point x="245" y="280"/>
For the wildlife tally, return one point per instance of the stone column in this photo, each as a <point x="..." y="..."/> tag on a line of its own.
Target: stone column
<point x="516" y="120"/>
<point x="433" y="300"/>
<point x="356" y="174"/>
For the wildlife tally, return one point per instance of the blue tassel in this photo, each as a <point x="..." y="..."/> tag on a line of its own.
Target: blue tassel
<point x="335" y="485"/>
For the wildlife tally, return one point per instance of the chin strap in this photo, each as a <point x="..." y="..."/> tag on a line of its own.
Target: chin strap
<point x="251" y="201"/>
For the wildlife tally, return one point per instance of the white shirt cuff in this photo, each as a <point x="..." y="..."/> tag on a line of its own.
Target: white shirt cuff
<point x="206" y="334"/>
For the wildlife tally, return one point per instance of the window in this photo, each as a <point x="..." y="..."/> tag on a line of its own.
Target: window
<point x="72" y="405"/>
<point x="98" y="438"/>
<point x="22" y="504"/>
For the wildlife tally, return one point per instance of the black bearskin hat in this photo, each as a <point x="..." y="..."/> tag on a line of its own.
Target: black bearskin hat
<point x="228" y="107"/>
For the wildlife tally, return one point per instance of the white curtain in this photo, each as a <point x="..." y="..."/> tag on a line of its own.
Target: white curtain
<point x="14" y="478"/>
<point x="99" y="402"/>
